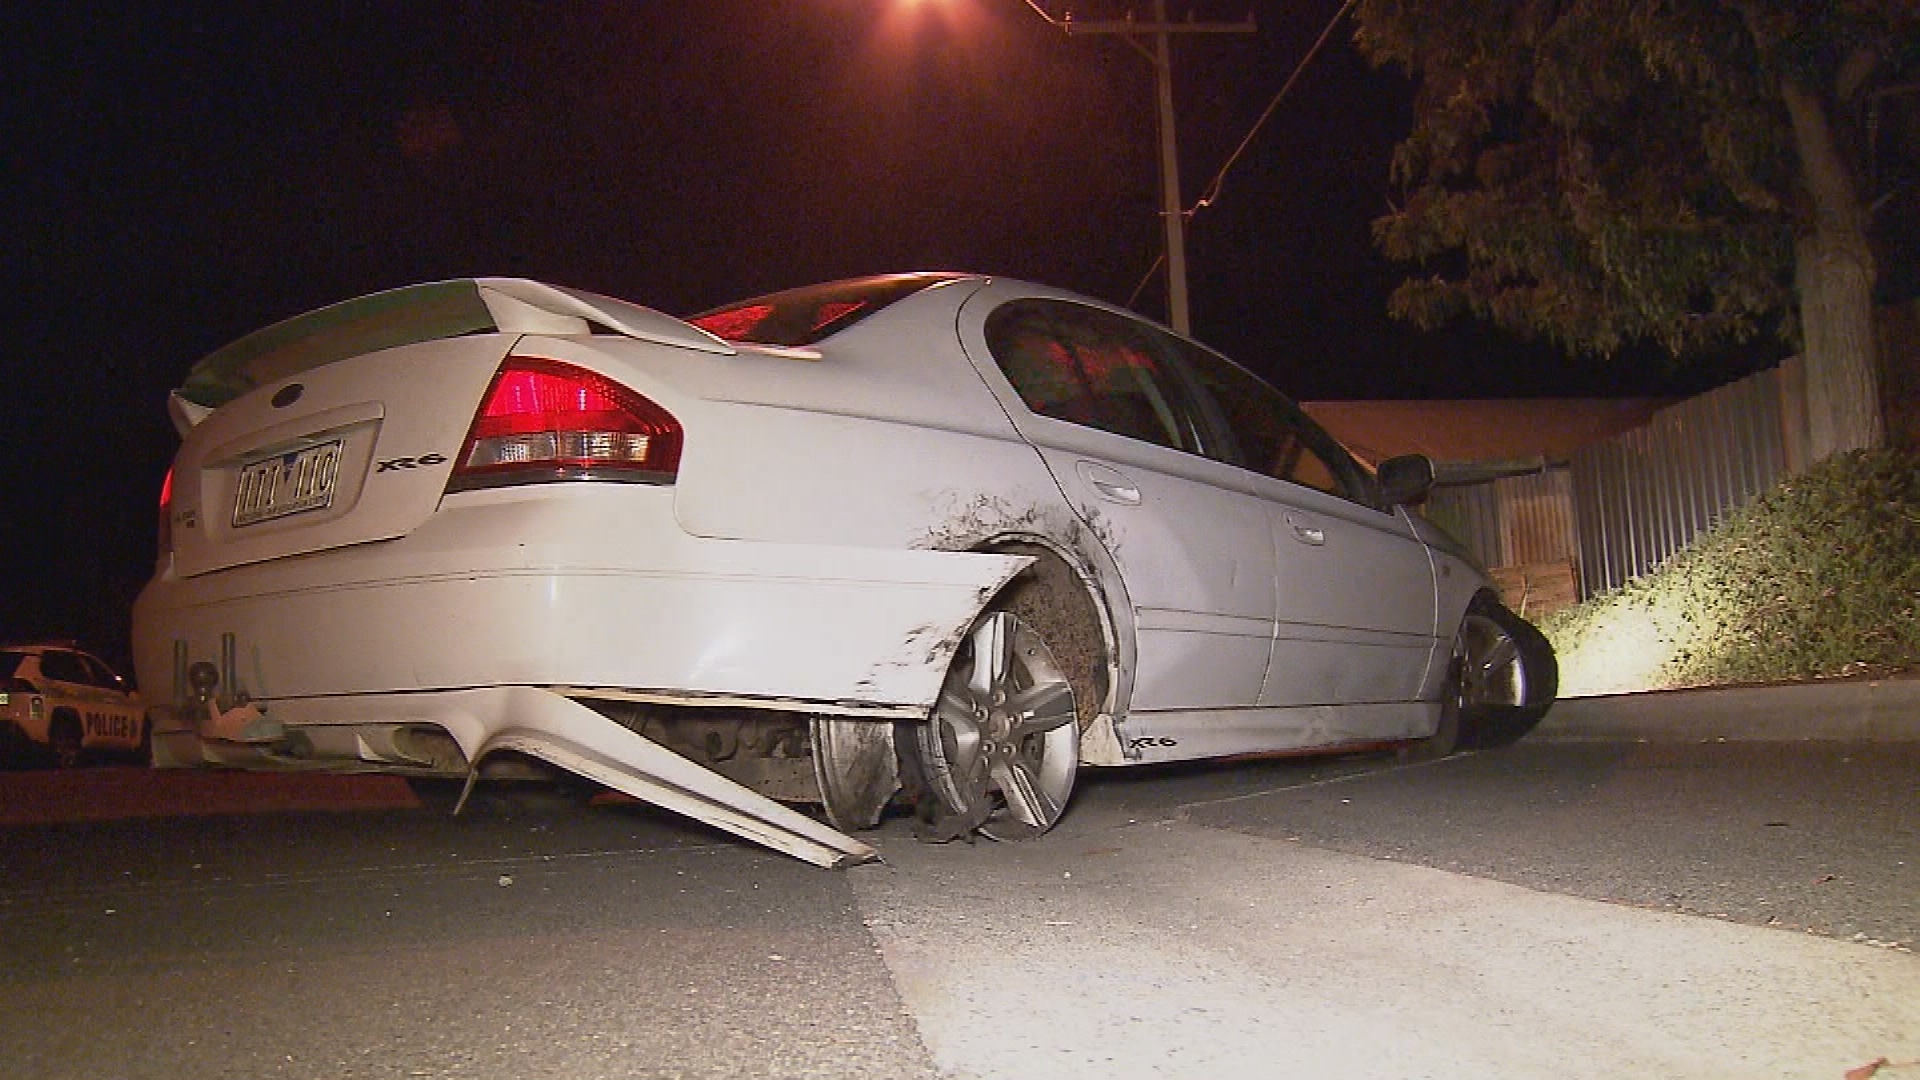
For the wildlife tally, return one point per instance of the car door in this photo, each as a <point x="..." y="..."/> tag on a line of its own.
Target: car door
<point x="1123" y="437"/>
<point x="1355" y="603"/>
<point x="74" y="682"/>
<point x="115" y="714"/>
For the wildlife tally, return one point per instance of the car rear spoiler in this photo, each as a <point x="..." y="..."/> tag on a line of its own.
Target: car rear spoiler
<point x="410" y="315"/>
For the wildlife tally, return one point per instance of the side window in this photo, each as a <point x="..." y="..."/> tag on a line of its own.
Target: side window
<point x="99" y="674"/>
<point x="1095" y="368"/>
<point x="1271" y="434"/>
<point x="63" y="667"/>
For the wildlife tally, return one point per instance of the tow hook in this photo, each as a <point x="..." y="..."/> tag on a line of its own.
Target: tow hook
<point x="230" y="716"/>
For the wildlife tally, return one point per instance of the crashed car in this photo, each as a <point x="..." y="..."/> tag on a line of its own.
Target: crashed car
<point x="934" y="541"/>
<point x="59" y="703"/>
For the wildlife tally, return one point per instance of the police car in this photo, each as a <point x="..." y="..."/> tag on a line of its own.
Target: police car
<point x="61" y="703"/>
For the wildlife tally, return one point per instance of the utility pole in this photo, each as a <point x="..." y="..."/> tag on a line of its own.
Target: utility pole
<point x="1161" y="56"/>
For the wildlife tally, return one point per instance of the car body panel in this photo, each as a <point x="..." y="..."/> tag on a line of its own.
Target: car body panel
<point x="1201" y="602"/>
<point x="870" y="629"/>
<point x="347" y="400"/>
<point x="1203" y="611"/>
<point x="1249" y="611"/>
<point x="1344" y="639"/>
<point x="1168" y="735"/>
<point x="1458" y="578"/>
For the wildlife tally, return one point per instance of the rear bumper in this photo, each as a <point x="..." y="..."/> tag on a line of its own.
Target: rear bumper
<point x="597" y="589"/>
<point x="489" y="620"/>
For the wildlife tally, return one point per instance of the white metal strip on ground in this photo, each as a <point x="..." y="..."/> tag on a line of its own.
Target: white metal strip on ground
<point x="761" y="820"/>
<point x="574" y="737"/>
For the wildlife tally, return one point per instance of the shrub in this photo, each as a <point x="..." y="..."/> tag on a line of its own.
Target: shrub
<point x="1817" y="578"/>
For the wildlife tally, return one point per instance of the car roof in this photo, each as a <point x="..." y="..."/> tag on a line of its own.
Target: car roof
<point x="36" y="648"/>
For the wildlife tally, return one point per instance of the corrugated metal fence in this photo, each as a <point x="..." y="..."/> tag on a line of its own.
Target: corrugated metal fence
<point x="1512" y="521"/>
<point x="1641" y="497"/>
<point x="1623" y="506"/>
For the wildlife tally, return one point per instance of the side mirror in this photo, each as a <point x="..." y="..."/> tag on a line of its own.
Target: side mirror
<point x="1405" y="479"/>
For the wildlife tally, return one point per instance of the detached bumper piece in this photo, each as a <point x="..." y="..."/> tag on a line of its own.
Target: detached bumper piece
<point x="376" y="733"/>
<point x="574" y="737"/>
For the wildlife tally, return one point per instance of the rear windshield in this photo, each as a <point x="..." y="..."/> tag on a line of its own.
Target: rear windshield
<point x="361" y="325"/>
<point x="10" y="663"/>
<point x="811" y="314"/>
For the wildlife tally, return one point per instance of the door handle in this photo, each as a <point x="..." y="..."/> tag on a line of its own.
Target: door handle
<point x="1109" y="483"/>
<point x="1306" y="532"/>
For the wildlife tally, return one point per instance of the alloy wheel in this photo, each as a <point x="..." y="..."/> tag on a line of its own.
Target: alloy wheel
<point x="1002" y="746"/>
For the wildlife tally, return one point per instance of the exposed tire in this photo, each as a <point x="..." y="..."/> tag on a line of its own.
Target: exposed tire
<point x="856" y="767"/>
<point x="66" y="741"/>
<point x="1000" y="752"/>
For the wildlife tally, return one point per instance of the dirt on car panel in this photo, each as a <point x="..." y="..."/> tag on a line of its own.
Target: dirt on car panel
<point x="983" y="518"/>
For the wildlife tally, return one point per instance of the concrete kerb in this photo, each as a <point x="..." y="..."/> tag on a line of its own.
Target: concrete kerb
<point x="1877" y="710"/>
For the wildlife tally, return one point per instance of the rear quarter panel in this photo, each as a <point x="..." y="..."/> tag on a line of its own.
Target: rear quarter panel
<point x="890" y="439"/>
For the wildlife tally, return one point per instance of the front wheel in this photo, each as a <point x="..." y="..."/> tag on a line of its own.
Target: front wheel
<point x="1001" y="749"/>
<point x="1500" y="679"/>
<point x="1516" y="685"/>
<point x="66" y="741"/>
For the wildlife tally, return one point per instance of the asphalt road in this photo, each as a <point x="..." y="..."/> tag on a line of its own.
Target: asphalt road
<point x="1809" y="836"/>
<point x="1559" y="909"/>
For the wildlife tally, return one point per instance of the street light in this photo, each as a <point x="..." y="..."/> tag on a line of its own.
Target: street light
<point x="1161" y="55"/>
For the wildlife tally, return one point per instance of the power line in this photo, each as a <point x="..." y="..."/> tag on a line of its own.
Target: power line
<point x="1213" y="189"/>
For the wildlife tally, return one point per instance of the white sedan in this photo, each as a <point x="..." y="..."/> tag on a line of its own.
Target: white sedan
<point x="931" y="540"/>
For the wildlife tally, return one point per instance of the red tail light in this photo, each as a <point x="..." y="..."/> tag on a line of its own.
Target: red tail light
<point x="544" y="421"/>
<point x="166" y="514"/>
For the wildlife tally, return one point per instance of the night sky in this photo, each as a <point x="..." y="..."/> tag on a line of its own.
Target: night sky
<point x="178" y="175"/>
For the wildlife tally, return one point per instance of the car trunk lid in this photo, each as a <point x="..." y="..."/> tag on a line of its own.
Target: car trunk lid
<point x="356" y="451"/>
<point x="341" y="426"/>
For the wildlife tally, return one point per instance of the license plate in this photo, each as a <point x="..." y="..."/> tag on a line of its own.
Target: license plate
<point x="291" y="483"/>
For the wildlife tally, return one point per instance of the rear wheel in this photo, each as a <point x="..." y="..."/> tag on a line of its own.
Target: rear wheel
<point x="1001" y="749"/>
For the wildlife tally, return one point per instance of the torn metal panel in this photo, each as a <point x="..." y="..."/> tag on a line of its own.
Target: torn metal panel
<point x="857" y="709"/>
<point x="581" y="741"/>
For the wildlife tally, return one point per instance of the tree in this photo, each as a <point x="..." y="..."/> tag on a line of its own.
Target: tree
<point x="1689" y="172"/>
